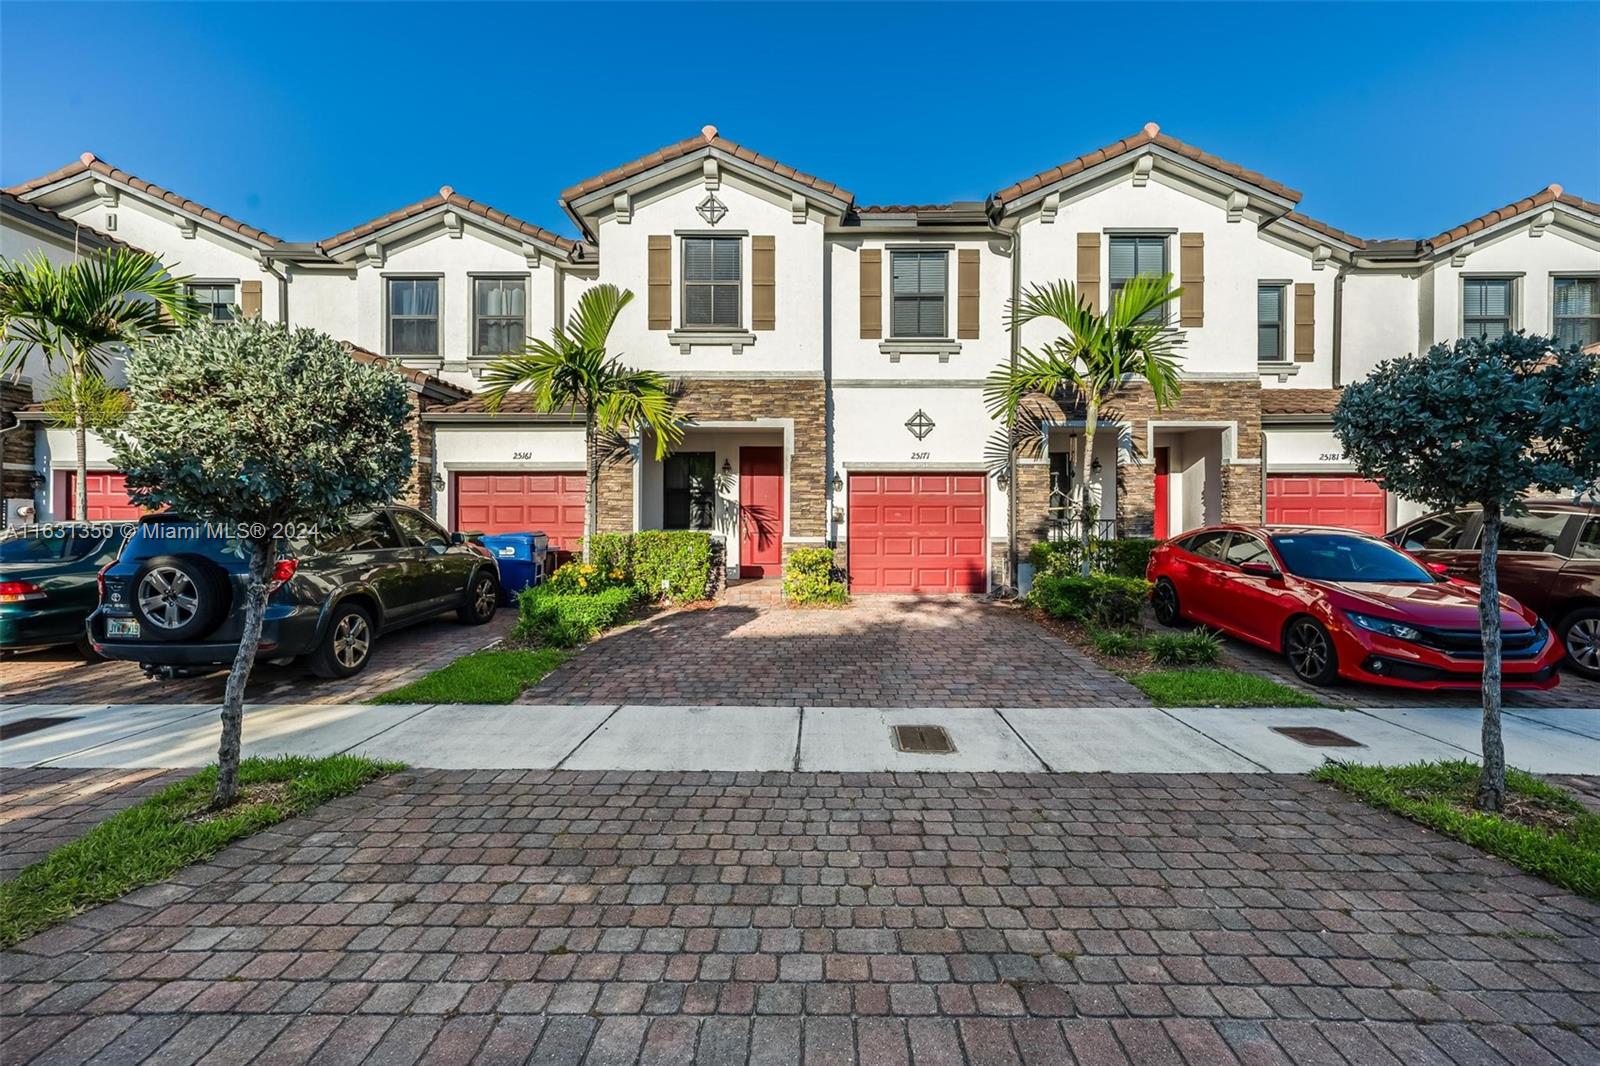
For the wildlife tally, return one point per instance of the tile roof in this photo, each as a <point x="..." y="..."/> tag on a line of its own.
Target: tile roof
<point x="447" y="195"/>
<point x="15" y="203"/>
<point x="416" y="377"/>
<point x="1151" y="134"/>
<point x="709" y="137"/>
<point x="88" y="163"/>
<point x="516" y="403"/>
<point x="1299" y="401"/>
<point x="1322" y="227"/>
<point x="1548" y="195"/>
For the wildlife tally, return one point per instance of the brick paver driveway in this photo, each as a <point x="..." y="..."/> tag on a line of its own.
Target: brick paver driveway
<point x="565" y="917"/>
<point x="60" y="676"/>
<point x="883" y="651"/>
<point x="41" y="809"/>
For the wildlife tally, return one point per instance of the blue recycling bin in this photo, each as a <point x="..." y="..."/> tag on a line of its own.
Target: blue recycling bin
<point x="521" y="558"/>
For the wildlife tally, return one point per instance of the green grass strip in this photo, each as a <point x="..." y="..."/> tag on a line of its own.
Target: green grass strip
<point x="149" y="842"/>
<point x="1435" y="793"/>
<point x="1216" y="687"/>
<point x="494" y="676"/>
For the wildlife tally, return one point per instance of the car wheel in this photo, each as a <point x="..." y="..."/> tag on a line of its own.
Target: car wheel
<point x="85" y="648"/>
<point x="1580" y="633"/>
<point x="1309" y="649"/>
<point x="178" y="598"/>
<point x="347" y="645"/>
<point x="483" y="598"/>
<point x="1165" y="602"/>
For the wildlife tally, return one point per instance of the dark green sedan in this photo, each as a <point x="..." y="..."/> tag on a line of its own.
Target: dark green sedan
<point x="48" y="581"/>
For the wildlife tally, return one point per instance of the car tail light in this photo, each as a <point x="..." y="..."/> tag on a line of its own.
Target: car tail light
<point x="100" y="580"/>
<point x="20" y="591"/>
<point x="282" y="571"/>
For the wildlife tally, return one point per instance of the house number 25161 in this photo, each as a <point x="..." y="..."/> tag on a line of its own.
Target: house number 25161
<point x="522" y="455"/>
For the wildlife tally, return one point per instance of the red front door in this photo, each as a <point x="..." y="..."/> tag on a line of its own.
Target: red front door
<point x="108" y="497"/>
<point x="1163" y="497"/>
<point x="760" y="511"/>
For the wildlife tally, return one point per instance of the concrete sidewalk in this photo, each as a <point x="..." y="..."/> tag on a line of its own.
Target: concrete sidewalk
<point x="854" y="739"/>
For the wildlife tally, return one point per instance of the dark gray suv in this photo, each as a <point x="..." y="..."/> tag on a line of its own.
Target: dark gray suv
<point x="172" y="601"/>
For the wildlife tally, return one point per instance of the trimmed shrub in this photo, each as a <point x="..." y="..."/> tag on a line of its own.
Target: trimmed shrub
<point x="1099" y="599"/>
<point x="1117" y="643"/>
<point x="672" y="564"/>
<point x="566" y="619"/>
<point x="1198" y="647"/>
<point x="611" y="551"/>
<point x="585" y="579"/>
<point x="810" y="576"/>
<point x="1128" y="557"/>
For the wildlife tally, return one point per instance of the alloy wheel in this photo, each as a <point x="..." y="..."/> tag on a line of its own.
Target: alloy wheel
<point x="1308" y="649"/>
<point x="1583" y="643"/>
<point x="1166" y="604"/>
<point x="351" y="640"/>
<point x="484" y="598"/>
<point x="168" y="597"/>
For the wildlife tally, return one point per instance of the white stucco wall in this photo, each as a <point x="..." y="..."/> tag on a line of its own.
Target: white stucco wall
<point x="515" y="446"/>
<point x="1380" y="320"/>
<point x="1512" y="251"/>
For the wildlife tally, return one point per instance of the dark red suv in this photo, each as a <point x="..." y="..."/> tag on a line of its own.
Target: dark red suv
<point x="1549" y="560"/>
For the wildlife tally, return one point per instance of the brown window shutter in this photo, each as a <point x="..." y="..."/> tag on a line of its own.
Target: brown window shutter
<point x="763" y="283"/>
<point x="871" y="293"/>
<point x="250" y="298"/>
<point x="1305" y="322"/>
<point x="967" y="293"/>
<point x="1089" y="269"/>
<point x="660" y="283"/>
<point x="1192" y="276"/>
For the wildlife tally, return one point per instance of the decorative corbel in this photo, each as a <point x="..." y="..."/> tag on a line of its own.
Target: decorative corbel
<point x="1458" y="258"/>
<point x="712" y="175"/>
<point x="452" y="224"/>
<point x="1048" y="207"/>
<point x="109" y="194"/>
<point x="533" y="256"/>
<point x="186" y="226"/>
<point x="1237" y="201"/>
<point x="1320" y="256"/>
<point x="1541" y="223"/>
<point x="622" y="204"/>
<point x="375" y="255"/>
<point x="797" y="208"/>
<point x="1141" y="170"/>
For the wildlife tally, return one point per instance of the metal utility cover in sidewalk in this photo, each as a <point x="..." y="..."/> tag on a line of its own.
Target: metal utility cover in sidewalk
<point x="923" y="739"/>
<point x="1316" y="737"/>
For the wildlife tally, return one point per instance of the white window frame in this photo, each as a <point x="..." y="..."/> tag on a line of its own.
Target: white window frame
<point x="472" y="282"/>
<point x="1513" y="301"/>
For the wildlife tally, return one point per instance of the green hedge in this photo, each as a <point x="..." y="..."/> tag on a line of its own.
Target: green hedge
<point x="663" y="564"/>
<point x="566" y="619"/>
<point x="1099" y="599"/>
<point x="1128" y="557"/>
<point x="809" y="576"/>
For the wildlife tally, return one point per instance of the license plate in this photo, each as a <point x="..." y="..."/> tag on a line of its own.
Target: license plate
<point x="122" y="627"/>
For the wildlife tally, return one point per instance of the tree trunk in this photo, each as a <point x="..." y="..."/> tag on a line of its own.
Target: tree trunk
<point x="591" y="486"/>
<point x="262" y="559"/>
<point x="1091" y="416"/>
<point x="80" y="439"/>
<point x="1492" y="783"/>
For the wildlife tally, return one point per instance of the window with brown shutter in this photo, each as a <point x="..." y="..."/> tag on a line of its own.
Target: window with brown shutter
<point x="967" y="293"/>
<point x="871" y="293"/>
<point x="1089" y="269"/>
<point x="1305" y="322"/>
<point x="659" y="302"/>
<point x="1192" y="276"/>
<point x="763" y="283"/>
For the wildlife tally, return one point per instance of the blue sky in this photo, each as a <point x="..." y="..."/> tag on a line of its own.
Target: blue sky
<point x="303" y="119"/>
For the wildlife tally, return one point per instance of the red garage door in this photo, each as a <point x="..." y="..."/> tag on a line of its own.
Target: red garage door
<point x="108" y="496"/>
<point x="1326" y="500"/>
<point x="917" y="533"/>
<point x="522" y="503"/>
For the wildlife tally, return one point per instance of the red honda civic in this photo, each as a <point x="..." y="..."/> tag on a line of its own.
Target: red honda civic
<point x="1340" y="604"/>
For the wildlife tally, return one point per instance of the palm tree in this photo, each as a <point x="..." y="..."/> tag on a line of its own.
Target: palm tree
<point x="1097" y="356"/>
<point x="78" y="314"/>
<point x="572" y="372"/>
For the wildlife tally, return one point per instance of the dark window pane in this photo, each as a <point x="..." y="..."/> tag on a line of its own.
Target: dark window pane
<point x="688" y="494"/>
<point x="1209" y="544"/>
<point x="368" y="532"/>
<point x="1588" y="546"/>
<point x="1247" y="550"/>
<point x="1441" y="532"/>
<point x="1537" y="531"/>
<point x="697" y="305"/>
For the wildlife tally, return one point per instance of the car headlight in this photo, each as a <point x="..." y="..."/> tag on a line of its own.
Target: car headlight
<point x="1398" y="630"/>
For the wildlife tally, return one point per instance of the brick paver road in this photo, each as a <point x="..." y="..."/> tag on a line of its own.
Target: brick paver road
<point x="565" y="917"/>
<point x="881" y="651"/>
<point x="61" y="676"/>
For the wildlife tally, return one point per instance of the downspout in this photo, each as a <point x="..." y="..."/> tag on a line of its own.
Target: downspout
<point x="282" y="274"/>
<point x="1338" y="324"/>
<point x="1015" y="239"/>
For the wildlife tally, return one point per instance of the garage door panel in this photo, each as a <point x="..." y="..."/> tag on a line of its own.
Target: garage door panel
<point x="1326" y="500"/>
<point x="917" y="533"/>
<point x="513" y="502"/>
<point x="108" y="497"/>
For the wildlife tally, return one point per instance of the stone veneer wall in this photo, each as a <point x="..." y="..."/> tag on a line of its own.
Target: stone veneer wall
<point x="17" y="445"/>
<point x="418" y="492"/>
<point x="740" y="400"/>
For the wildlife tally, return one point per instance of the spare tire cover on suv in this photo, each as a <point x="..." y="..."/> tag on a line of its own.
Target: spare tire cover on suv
<point x="179" y="597"/>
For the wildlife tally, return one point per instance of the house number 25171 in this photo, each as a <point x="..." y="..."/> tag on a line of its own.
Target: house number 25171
<point x="920" y="455"/>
